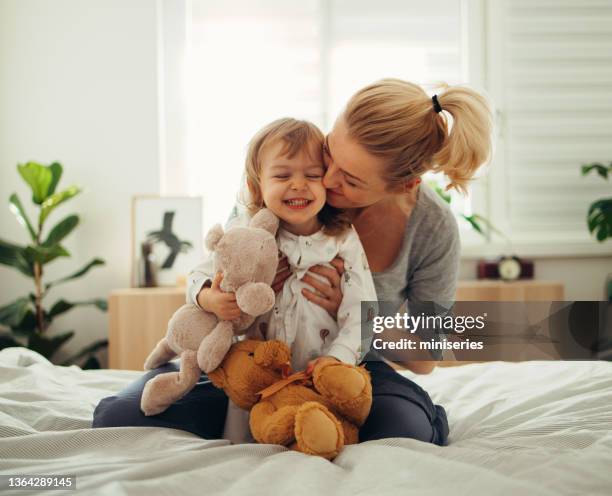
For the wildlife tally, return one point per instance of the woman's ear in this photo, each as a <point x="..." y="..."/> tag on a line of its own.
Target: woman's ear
<point x="410" y="184"/>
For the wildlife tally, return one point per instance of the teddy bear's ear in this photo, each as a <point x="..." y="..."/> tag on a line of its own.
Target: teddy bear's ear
<point x="214" y="236"/>
<point x="272" y="354"/>
<point x="265" y="219"/>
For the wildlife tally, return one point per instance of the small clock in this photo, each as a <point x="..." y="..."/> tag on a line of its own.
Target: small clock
<point x="509" y="268"/>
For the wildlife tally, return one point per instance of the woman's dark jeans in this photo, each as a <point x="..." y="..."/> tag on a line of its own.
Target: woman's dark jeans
<point x="400" y="408"/>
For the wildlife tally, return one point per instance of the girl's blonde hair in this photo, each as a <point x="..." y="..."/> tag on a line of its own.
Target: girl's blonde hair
<point x="296" y="136"/>
<point x="397" y="121"/>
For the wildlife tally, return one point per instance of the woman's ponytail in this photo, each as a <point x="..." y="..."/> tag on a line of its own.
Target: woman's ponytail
<point x="399" y="122"/>
<point x="468" y="145"/>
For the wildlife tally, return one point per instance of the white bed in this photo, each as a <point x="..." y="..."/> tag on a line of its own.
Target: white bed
<point x="529" y="428"/>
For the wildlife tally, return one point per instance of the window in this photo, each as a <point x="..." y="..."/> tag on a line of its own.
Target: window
<point x="545" y="64"/>
<point x="549" y="70"/>
<point x="249" y="62"/>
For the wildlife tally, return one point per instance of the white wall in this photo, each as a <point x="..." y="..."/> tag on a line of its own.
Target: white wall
<point x="78" y="84"/>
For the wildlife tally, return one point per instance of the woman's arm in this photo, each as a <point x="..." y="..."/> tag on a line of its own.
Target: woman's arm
<point x="434" y="280"/>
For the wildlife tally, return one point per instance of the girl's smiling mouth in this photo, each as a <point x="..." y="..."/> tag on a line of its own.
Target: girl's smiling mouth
<point x="297" y="203"/>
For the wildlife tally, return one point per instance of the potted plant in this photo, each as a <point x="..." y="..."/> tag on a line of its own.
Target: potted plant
<point x="599" y="215"/>
<point x="27" y="320"/>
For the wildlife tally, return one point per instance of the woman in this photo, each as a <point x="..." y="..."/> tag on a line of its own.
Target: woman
<point x="388" y="136"/>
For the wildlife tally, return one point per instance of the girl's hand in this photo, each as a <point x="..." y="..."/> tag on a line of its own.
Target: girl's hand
<point x="319" y="361"/>
<point x="328" y="295"/>
<point x="282" y="274"/>
<point x="222" y="304"/>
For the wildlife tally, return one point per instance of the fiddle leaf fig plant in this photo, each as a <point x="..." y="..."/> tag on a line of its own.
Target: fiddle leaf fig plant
<point x="599" y="216"/>
<point x="479" y="223"/>
<point x="27" y="320"/>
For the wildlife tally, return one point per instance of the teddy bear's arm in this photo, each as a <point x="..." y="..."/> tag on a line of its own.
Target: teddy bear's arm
<point x="272" y="426"/>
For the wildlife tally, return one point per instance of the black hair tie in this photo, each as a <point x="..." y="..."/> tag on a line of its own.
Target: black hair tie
<point x="436" y="104"/>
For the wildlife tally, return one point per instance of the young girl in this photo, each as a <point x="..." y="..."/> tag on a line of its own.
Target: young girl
<point x="284" y="172"/>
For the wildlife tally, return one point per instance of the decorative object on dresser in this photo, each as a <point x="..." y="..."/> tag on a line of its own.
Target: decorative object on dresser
<point x="166" y="239"/>
<point x="508" y="268"/>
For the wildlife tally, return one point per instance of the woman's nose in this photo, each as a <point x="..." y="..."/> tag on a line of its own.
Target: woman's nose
<point x="331" y="177"/>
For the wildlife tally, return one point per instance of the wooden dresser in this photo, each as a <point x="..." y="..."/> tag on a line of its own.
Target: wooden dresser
<point x="138" y="316"/>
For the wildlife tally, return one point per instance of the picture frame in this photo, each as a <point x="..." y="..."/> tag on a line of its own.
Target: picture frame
<point x="172" y="228"/>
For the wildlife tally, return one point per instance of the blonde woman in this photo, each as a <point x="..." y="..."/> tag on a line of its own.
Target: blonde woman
<point x="390" y="133"/>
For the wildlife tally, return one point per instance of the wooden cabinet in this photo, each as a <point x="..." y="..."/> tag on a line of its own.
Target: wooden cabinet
<point x="138" y="316"/>
<point x="137" y="321"/>
<point x="493" y="290"/>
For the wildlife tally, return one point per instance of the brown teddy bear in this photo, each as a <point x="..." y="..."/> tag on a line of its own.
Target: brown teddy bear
<point x="315" y="414"/>
<point x="247" y="257"/>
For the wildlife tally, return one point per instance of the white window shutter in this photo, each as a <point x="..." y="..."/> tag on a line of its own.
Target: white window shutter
<point x="552" y="79"/>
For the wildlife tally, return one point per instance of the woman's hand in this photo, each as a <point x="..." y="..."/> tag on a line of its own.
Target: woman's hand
<point x="214" y="300"/>
<point x="319" y="361"/>
<point x="328" y="295"/>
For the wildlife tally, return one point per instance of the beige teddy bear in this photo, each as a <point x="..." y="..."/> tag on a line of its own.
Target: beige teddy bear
<point x="248" y="258"/>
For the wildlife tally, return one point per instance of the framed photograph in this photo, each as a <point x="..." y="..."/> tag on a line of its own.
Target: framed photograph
<point x="166" y="239"/>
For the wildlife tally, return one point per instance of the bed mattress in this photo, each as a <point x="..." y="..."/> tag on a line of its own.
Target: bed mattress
<point x="515" y="428"/>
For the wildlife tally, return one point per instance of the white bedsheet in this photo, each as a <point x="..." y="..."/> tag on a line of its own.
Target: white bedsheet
<point x="529" y="428"/>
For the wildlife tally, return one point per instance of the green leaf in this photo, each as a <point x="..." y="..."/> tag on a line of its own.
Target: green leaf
<point x="39" y="178"/>
<point x="438" y="189"/>
<point x="62" y="306"/>
<point x="599" y="219"/>
<point x="88" y="350"/>
<point x="474" y="223"/>
<point x="54" y="200"/>
<point x="79" y="273"/>
<point x="47" y="346"/>
<point x="12" y="314"/>
<point x="601" y="169"/>
<point x="56" y="174"/>
<point x="61" y="230"/>
<point x="14" y="256"/>
<point x="28" y="326"/>
<point x="92" y="363"/>
<point x="7" y="341"/>
<point x="17" y="208"/>
<point x="43" y="254"/>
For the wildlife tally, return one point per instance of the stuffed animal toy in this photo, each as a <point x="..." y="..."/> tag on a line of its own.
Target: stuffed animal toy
<point x="247" y="257"/>
<point x="316" y="413"/>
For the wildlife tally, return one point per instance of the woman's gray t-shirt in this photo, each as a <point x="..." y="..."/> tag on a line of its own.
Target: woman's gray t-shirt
<point x="427" y="265"/>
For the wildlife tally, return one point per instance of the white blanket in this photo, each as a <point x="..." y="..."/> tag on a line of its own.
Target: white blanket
<point x="528" y="428"/>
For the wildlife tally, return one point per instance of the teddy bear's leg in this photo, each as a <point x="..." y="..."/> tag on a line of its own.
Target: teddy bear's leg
<point x="351" y="432"/>
<point x="213" y="347"/>
<point x="347" y="387"/>
<point x="318" y="431"/>
<point x="162" y="353"/>
<point x="272" y="426"/>
<point x="164" y="389"/>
